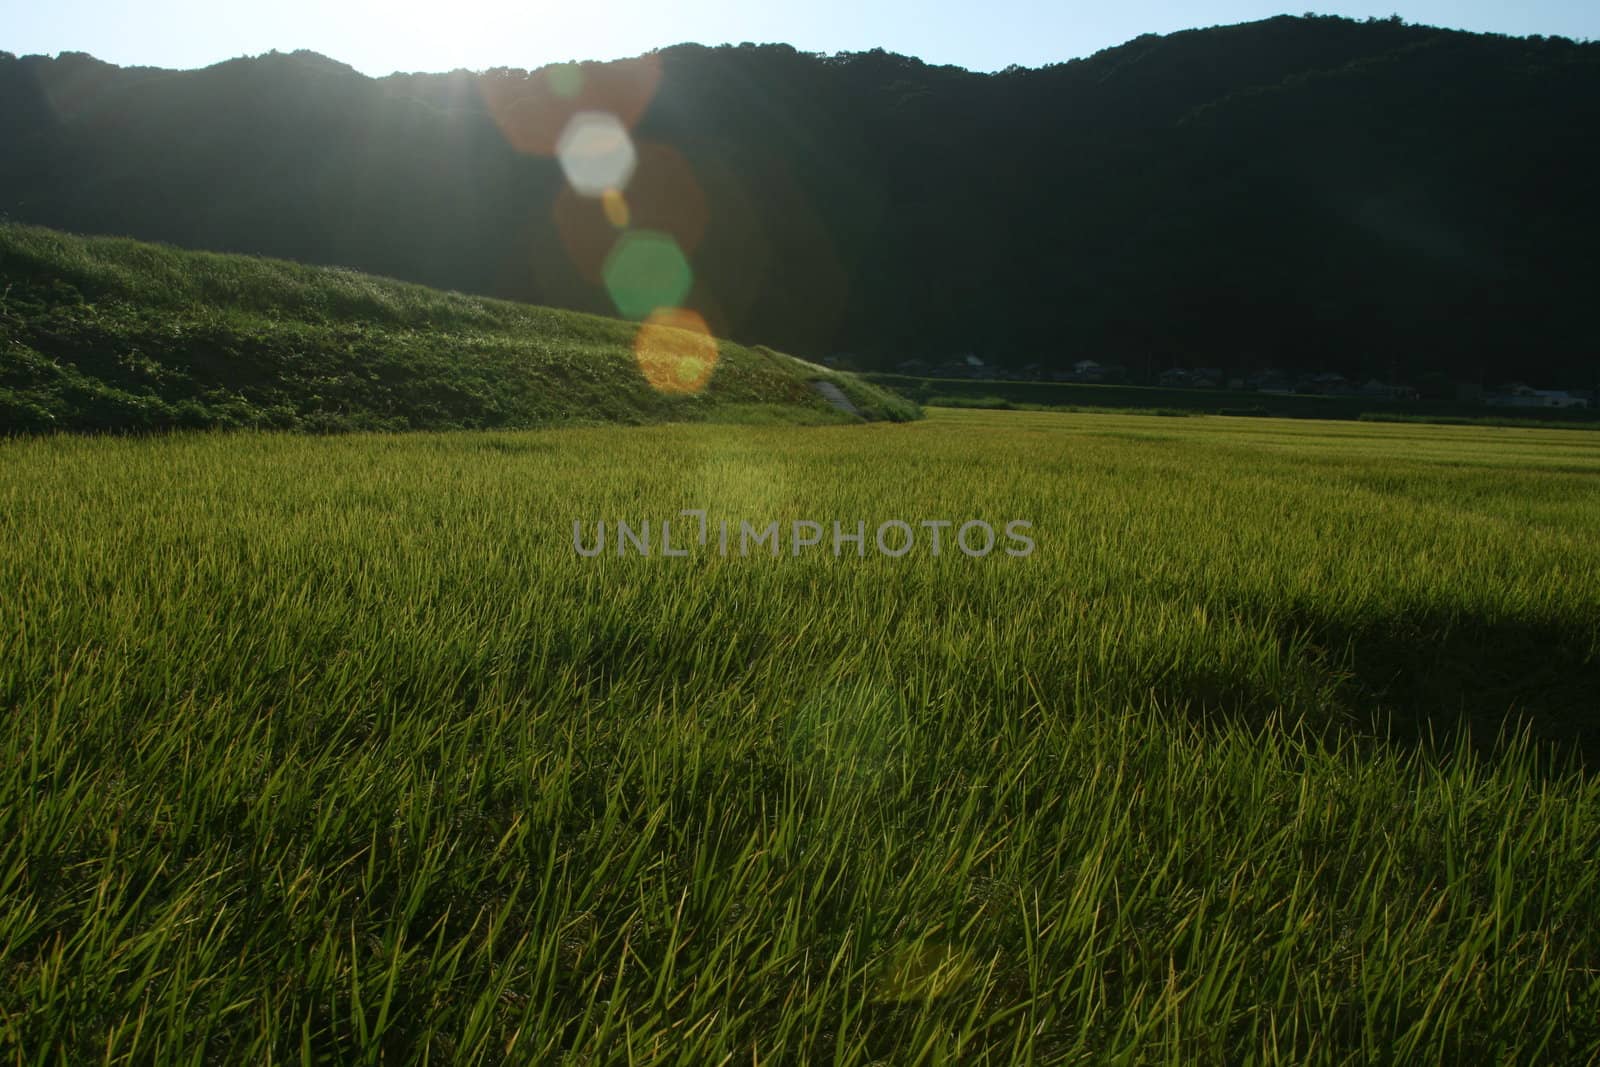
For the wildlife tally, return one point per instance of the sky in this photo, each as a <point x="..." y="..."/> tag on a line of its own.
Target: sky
<point x="381" y="36"/>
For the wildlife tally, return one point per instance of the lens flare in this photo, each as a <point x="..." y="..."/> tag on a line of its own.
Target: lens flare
<point x="566" y="79"/>
<point x="646" y="270"/>
<point x="615" y="206"/>
<point x="675" y="351"/>
<point x="532" y="109"/>
<point x="586" y="234"/>
<point x="665" y="195"/>
<point x="736" y="255"/>
<point x="596" y="153"/>
<point x="922" y="972"/>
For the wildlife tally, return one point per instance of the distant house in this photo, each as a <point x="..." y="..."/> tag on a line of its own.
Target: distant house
<point x="1328" y="383"/>
<point x="1270" y="381"/>
<point x="1089" y="370"/>
<point x="1376" y="390"/>
<point x="1520" y="396"/>
<point x="965" y="365"/>
<point x="1561" y="398"/>
<point x="1199" y="378"/>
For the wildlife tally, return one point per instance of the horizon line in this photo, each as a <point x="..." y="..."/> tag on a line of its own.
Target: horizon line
<point x="846" y="54"/>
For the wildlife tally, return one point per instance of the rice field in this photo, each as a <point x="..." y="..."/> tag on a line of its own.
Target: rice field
<point x="1272" y="749"/>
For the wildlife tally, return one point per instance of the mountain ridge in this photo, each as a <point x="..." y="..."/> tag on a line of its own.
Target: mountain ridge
<point x="1370" y="197"/>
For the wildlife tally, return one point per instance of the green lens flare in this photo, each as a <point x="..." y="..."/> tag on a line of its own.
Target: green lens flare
<point x="647" y="270"/>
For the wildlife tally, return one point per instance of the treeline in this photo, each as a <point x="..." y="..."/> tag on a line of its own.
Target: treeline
<point x="1374" y="198"/>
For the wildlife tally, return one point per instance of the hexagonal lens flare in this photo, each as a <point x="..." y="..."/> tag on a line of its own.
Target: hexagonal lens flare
<point x="585" y="232"/>
<point x="675" y="351"/>
<point x="664" y="194"/>
<point x="646" y="271"/>
<point x="532" y="109"/>
<point x="596" y="153"/>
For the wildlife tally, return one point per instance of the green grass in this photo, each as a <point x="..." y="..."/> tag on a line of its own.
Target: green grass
<point x="101" y="334"/>
<point x="331" y="749"/>
<point x="1133" y="399"/>
<point x="1581" y="420"/>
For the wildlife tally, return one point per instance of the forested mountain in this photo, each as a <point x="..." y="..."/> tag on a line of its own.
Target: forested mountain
<point x="1374" y="198"/>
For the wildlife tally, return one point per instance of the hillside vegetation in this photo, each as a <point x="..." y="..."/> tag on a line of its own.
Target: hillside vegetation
<point x="1079" y="396"/>
<point x="1373" y="198"/>
<point x="119" y="335"/>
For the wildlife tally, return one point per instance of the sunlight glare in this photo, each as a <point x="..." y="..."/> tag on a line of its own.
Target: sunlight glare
<point x="675" y="351"/>
<point x="596" y="153"/>
<point x="647" y="271"/>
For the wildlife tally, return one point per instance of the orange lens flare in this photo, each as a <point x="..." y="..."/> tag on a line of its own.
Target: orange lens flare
<point x="665" y="195"/>
<point x="675" y="351"/>
<point x="615" y="206"/>
<point x="585" y="232"/>
<point x="533" y="109"/>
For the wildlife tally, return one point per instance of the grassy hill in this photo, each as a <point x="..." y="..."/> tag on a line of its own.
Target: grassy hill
<point x="102" y="334"/>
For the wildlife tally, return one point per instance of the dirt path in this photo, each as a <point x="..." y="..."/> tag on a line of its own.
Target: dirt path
<point x="833" y="395"/>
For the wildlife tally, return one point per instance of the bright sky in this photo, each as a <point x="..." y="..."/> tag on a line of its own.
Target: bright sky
<point x="380" y="36"/>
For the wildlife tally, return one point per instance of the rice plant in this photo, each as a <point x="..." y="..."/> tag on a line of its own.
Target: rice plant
<point x="333" y="749"/>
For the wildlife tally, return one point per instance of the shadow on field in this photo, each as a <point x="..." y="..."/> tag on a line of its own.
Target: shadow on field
<point x="1429" y="678"/>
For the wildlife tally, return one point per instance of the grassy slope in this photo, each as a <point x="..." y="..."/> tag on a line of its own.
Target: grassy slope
<point x="111" y="334"/>
<point x="335" y="745"/>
